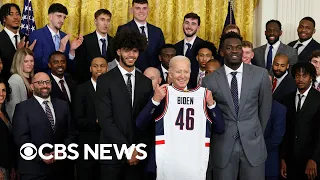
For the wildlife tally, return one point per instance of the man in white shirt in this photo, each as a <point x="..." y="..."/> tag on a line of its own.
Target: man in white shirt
<point x="166" y="53"/>
<point x="315" y="60"/>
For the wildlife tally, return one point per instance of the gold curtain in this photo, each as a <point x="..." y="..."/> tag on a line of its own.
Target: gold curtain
<point x="166" y="14"/>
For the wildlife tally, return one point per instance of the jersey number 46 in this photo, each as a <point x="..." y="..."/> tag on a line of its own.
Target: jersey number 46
<point x="187" y="120"/>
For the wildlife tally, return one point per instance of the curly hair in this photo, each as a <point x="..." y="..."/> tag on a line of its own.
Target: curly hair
<point x="207" y="45"/>
<point x="129" y="39"/>
<point x="305" y="67"/>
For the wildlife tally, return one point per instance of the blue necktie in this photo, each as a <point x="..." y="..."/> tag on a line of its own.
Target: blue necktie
<point x="56" y="41"/>
<point x="235" y="97"/>
<point x="269" y="58"/>
<point x="188" y="50"/>
<point x="104" y="47"/>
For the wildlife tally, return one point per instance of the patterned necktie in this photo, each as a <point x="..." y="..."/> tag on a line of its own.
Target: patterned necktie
<point x="298" y="46"/>
<point x="143" y="32"/>
<point x="64" y="90"/>
<point x="201" y="76"/>
<point x="129" y="85"/>
<point x="318" y="87"/>
<point x="269" y="58"/>
<point x="188" y="50"/>
<point x="300" y="96"/>
<point x="104" y="47"/>
<point x="49" y="113"/>
<point x="234" y="91"/>
<point x="16" y="41"/>
<point x="56" y="41"/>
<point x="274" y="84"/>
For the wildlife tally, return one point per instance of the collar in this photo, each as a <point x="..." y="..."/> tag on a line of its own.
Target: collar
<point x="185" y="89"/>
<point x="40" y="100"/>
<point x="163" y="69"/>
<point x="94" y="84"/>
<point x="139" y="24"/>
<point x="305" y="94"/>
<point x="124" y="72"/>
<point x="202" y="71"/>
<point x="101" y="37"/>
<point x="274" y="46"/>
<point x="11" y="34"/>
<point x="229" y="70"/>
<point x="305" y="43"/>
<point x="57" y="79"/>
<point x="53" y="33"/>
<point x="318" y="79"/>
<point x="282" y="77"/>
<point x="191" y="42"/>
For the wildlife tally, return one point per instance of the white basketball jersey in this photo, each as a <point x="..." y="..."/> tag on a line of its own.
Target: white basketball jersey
<point x="183" y="136"/>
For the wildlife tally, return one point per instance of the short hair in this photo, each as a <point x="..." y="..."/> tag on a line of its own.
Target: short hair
<point x="230" y="35"/>
<point x="274" y="21"/>
<point x="8" y="88"/>
<point x="127" y="38"/>
<point x="102" y="11"/>
<point x="57" y="7"/>
<point x="247" y="44"/>
<point x="231" y="26"/>
<point x="282" y="55"/>
<point x="98" y="57"/>
<point x="207" y="45"/>
<point x="309" y="19"/>
<point x="166" y="46"/>
<point x="306" y="67"/>
<point x="192" y="16"/>
<point x="314" y="54"/>
<point x="140" y="2"/>
<point x="56" y="53"/>
<point x="5" y="11"/>
<point x="214" y="61"/>
<point x="179" y="58"/>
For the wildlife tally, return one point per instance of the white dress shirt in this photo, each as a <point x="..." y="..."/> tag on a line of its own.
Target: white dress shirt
<point x="185" y="47"/>
<point x="165" y="73"/>
<point x="64" y="83"/>
<point x="145" y="27"/>
<point x="279" y="80"/>
<point x="11" y="36"/>
<point x="304" y="45"/>
<point x="94" y="84"/>
<point x="305" y="94"/>
<point x="125" y="78"/>
<point x="275" y="48"/>
<point x="204" y="74"/>
<point x="71" y="57"/>
<point x="41" y="100"/>
<point x="317" y="81"/>
<point x="100" y="42"/>
<point x="239" y="77"/>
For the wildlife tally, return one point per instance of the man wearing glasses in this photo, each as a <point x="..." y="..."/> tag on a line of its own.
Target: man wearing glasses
<point x="38" y="120"/>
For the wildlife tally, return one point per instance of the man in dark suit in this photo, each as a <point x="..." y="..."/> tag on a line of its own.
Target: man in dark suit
<point x="264" y="55"/>
<point x="11" y="38"/>
<point x="186" y="47"/>
<point x="120" y="103"/>
<point x="50" y="39"/>
<point x="166" y="53"/>
<point x="38" y="120"/>
<point x="87" y="123"/>
<point x="95" y="44"/>
<point x="305" y="45"/>
<point x="282" y="82"/>
<point x="63" y="86"/>
<point x="315" y="60"/>
<point x="301" y="145"/>
<point x="153" y="34"/>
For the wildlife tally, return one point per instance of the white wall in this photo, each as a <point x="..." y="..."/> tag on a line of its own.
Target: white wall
<point x="289" y="13"/>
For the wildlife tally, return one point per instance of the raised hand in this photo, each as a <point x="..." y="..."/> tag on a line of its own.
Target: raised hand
<point x="160" y="92"/>
<point x="63" y="43"/>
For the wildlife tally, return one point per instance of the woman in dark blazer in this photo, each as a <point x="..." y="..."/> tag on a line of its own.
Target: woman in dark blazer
<point x="7" y="150"/>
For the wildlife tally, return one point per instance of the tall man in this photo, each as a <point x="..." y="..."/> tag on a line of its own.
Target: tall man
<point x="38" y="120"/>
<point x="243" y="93"/>
<point x="120" y="103"/>
<point x="153" y="34"/>
<point x="315" y="60"/>
<point x="95" y="44"/>
<point x="50" y="39"/>
<point x="305" y="45"/>
<point x="87" y="122"/>
<point x="166" y="53"/>
<point x="186" y="47"/>
<point x="264" y="55"/>
<point x="301" y="145"/>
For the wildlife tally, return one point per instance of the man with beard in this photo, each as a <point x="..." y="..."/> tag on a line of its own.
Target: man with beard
<point x="264" y="55"/>
<point x="282" y="82"/>
<point x="166" y="53"/>
<point x="154" y="35"/>
<point x="95" y="44"/>
<point x="120" y="103"/>
<point x="186" y="47"/>
<point x="38" y="120"/>
<point x="11" y="38"/>
<point x="243" y="93"/>
<point x="315" y="60"/>
<point x="50" y="39"/>
<point x="305" y="45"/>
<point x="63" y="86"/>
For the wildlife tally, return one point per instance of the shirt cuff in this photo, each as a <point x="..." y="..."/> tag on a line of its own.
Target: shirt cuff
<point x="212" y="106"/>
<point x="155" y="102"/>
<point x="71" y="57"/>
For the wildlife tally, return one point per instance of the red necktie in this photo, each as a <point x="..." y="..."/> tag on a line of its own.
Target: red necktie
<point x="274" y="84"/>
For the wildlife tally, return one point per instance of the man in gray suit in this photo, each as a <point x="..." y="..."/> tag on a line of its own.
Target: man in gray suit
<point x="264" y="55"/>
<point x="243" y="93"/>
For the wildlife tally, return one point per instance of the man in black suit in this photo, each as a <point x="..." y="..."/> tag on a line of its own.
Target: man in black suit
<point x="153" y="34"/>
<point x="282" y="82"/>
<point x="166" y="53"/>
<point x="95" y="44"/>
<point x="186" y="47"/>
<point x="315" y="60"/>
<point x="118" y="105"/>
<point x="63" y="85"/>
<point x="301" y="146"/>
<point x="38" y="120"/>
<point x="11" y="38"/>
<point x="87" y="124"/>
<point x="305" y="45"/>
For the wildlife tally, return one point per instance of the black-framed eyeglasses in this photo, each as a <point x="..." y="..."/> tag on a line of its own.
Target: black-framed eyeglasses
<point x="41" y="83"/>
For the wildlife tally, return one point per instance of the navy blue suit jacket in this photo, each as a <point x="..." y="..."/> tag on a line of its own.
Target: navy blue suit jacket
<point x="273" y="136"/>
<point x="44" y="47"/>
<point x="287" y="86"/>
<point x="307" y="51"/>
<point x="149" y="57"/>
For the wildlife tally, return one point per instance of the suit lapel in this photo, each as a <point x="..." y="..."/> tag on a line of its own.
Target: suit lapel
<point x="122" y="86"/>
<point x="48" y="37"/>
<point x="7" y="38"/>
<point x="137" y="89"/>
<point x="280" y="49"/>
<point x="94" y="43"/>
<point x="246" y="85"/>
<point x="308" y="102"/>
<point x="41" y="115"/>
<point x="262" y="53"/>
<point x="306" y="48"/>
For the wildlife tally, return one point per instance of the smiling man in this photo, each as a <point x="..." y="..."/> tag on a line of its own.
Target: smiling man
<point x="264" y="55"/>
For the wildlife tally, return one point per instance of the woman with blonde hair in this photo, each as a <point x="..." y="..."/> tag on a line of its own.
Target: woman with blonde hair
<point x="22" y="71"/>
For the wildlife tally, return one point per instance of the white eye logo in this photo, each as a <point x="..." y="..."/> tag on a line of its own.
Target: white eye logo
<point x="28" y="151"/>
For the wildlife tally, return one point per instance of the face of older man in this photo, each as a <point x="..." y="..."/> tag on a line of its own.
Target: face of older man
<point x="179" y="72"/>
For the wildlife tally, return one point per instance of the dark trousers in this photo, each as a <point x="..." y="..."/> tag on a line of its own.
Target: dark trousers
<point x="88" y="170"/>
<point x="272" y="178"/>
<point x="121" y="172"/>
